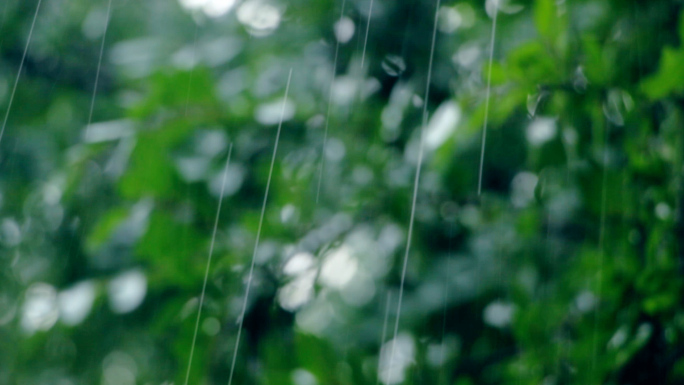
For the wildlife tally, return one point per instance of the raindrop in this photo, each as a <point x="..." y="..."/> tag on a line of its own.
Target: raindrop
<point x="338" y="268"/>
<point x="438" y="354"/>
<point x="522" y="189"/>
<point x="119" y="369"/>
<point x="108" y="131"/>
<point x="532" y="103"/>
<point x="448" y="210"/>
<point x="360" y="290"/>
<point x="10" y="233"/>
<point x="585" y="301"/>
<point x="270" y="113"/>
<point x="52" y="193"/>
<point x="449" y="20"/>
<point x="467" y="14"/>
<point x="299" y="263"/>
<point x="40" y="310"/>
<point x="193" y="169"/>
<point x="392" y="367"/>
<point x="470" y="216"/>
<point x="335" y="150"/>
<point x="467" y="55"/>
<point x="344" y="89"/>
<point x="612" y="107"/>
<point x="211" y="142"/>
<point x="541" y="130"/>
<point x="235" y="175"/>
<point x="288" y="213"/>
<point x="643" y="333"/>
<point x="498" y="314"/>
<point x="315" y="122"/>
<point x="260" y="18"/>
<point x="370" y="86"/>
<point x="8" y="309"/>
<point x="570" y="136"/>
<point x="619" y="338"/>
<point x="503" y="6"/>
<point x="93" y="22"/>
<point x="315" y="317"/>
<point x="76" y="302"/>
<point x="580" y="81"/>
<point x="218" y="8"/>
<point x="344" y="29"/>
<point x="663" y="211"/>
<point x="298" y="292"/>
<point x="442" y="125"/>
<point x="303" y="377"/>
<point x="193" y="4"/>
<point x="393" y="65"/>
<point x="492" y="6"/>
<point x="362" y="175"/>
<point x="232" y="83"/>
<point x="211" y="326"/>
<point x="127" y="291"/>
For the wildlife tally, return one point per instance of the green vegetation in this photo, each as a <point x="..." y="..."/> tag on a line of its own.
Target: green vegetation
<point x="567" y="269"/>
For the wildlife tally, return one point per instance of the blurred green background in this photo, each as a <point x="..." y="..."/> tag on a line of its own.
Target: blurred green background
<point x="567" y="269"/>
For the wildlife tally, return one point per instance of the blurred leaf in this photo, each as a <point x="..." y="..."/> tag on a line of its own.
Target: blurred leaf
<point x="181" y="90"/>
<point x="172" y="251"/>
<point x="549" y="21"/>
<point x="104" y="228"/>
<point x="151" y="171"/>
<point x="669" y="79"/>
<point x="531" y="64"/>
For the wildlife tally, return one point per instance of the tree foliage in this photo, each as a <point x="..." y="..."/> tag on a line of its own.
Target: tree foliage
<point x="565" y="270"/>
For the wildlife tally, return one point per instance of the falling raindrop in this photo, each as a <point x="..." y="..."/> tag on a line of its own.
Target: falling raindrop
<point x="533" y="101"/>
<point x="541" y="130"/>
<point x="127" y="291"/>
<point x="338" y="268"/>
<point x="298" y="263"/>
<point x="396" y="356"/>
<point x="269" y="113"/>
<point x="467" y="55"/>
<point x="580" y="81"/>
<point x="10" y="232"/>
<point x="344" y="29"/>
<point x="303" y="377"/>
<point x="663" y="211"/>
<point x="211" y="326"/>
<point x="449" y="20"/>
<point x="259" y="17"/>
<point x="298" y="292"/>
<point x="498" y="314"/>
<point x="522" y="189"/>
<point x="394" y="65"/>
<point x="76" y="302"/>
<point x="442" y="124"/>
<point x="40" y="311"/>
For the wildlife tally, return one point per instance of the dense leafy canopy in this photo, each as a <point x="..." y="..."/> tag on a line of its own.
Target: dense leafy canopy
<point x="567" y="269"/>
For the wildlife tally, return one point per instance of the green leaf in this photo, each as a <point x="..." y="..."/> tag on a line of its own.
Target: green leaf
<point x="317" y="356"/>
<point x="184" y="90"/>
<point x="104" y="228"/>
<point x="597" y="61"/>
<point x="550" y="23"/>
<point x="173" y="251"/>
<point x="669" y="78"/>
<point x="151" y="171"/>
<point x="532" y="64"/>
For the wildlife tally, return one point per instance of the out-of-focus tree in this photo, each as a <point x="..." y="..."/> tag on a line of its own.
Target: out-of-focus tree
<point x="565" y="270"/>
